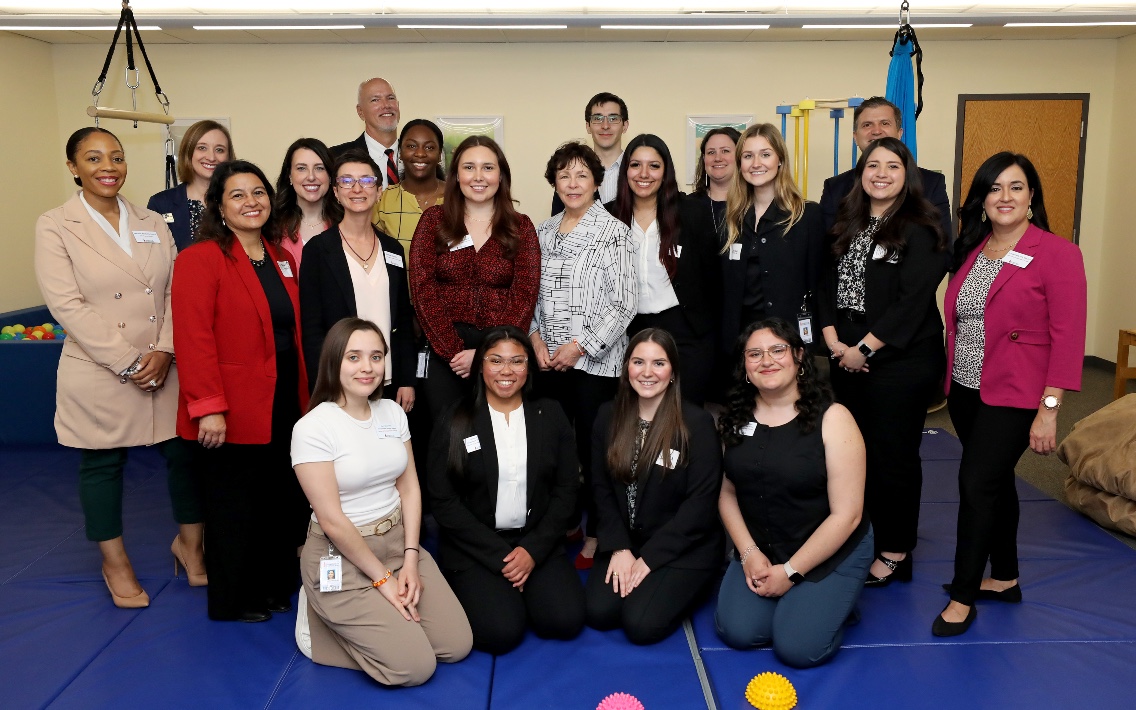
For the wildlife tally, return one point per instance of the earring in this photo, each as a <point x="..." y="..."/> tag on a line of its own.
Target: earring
<point x="983" y="217"/>
<point x="1029" y="212"/>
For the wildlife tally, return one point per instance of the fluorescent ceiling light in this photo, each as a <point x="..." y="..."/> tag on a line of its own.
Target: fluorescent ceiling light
<point x="892" y="26"/>
<point x="278" y="27"/>
<point x="56" y="28"/>
<point x="483" y="27"/>
<point x="684" y="27"/>
<point x="1068" y="24"/>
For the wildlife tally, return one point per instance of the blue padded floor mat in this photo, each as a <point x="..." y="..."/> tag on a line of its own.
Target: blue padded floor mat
<point x="1072" y="643"/>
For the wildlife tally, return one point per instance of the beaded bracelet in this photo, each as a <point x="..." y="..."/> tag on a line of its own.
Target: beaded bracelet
<point x="382" y="581"/>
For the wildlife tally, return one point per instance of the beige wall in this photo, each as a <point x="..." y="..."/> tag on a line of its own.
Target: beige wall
<point x="33" y="155"/>
<point x="274" y="94"/>
<point x="1116" y="304"/>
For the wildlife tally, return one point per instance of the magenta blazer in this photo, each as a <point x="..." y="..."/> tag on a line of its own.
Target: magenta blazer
<point x="1035" y="322"/>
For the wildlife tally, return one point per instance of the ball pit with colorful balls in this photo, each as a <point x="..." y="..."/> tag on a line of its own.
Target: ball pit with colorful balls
<point x="47" y="331"/>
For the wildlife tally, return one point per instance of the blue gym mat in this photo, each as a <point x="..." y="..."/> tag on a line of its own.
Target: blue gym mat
<point x="1072" y="643"/>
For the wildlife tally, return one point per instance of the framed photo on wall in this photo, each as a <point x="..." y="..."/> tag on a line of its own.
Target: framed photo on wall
<point x="698" y="126"/>
<point x="456" y="129"/>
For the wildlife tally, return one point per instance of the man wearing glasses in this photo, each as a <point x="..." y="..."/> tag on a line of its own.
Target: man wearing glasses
<point x="605" y="120"/>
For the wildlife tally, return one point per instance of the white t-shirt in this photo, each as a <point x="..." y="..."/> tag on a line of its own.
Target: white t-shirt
<point x="368" y="456"/>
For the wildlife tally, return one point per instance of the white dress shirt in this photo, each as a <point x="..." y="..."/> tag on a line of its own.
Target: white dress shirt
<point x="610" y="185"/>
<point x="511" y="438"/>
<point x="378" y="153"/>
<point x="656" y="294"/>
<point x="120" y="237"/>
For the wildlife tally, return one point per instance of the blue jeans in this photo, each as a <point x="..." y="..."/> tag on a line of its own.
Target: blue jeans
<point x="806" y="624"/>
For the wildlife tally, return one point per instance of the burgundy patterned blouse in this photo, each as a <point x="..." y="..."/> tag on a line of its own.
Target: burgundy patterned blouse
<point x="479" y="287"/>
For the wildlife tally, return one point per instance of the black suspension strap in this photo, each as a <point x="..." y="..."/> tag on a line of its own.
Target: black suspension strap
<point x="905" y="34"/>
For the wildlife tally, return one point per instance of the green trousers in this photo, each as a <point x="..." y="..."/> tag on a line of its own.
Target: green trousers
<point x="100" y="487"/>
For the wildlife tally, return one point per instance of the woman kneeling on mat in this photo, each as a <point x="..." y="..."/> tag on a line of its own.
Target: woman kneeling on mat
<point x="503" y="476"/>
<point x="792" y="501"/>
<point x="657" y="469"/>
<point x="372" y="598"/>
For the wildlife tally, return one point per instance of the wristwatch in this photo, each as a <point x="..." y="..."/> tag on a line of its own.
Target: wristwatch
<point x="794" y="576"/>
<point x="1050" y="402"/>
<point x="864" y="349"/>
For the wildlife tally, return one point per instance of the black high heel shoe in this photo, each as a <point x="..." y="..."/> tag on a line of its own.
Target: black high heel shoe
<point x="900" y="571"/>
<point x="1010" y="595"/>
<point x="942" y="627"/>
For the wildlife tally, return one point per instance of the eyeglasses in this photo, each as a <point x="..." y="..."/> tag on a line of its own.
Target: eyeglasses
<point x="367" y="182"/>
<point x="756" y="355"/>
<point x="597" y="119"/>
<point x="496" y="364"/>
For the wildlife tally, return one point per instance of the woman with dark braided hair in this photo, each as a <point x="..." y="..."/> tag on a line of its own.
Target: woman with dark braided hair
<point x="792" y="501"/>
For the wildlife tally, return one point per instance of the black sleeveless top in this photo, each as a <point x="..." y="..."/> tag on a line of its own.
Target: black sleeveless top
<point x="782" y="489"/>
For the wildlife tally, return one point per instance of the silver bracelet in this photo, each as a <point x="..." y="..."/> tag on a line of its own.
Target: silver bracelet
<point x="746" y="553"/>
<point x="133" y="369"/>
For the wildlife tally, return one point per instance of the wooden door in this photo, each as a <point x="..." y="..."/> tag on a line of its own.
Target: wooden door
<point x="1049" y="129"/>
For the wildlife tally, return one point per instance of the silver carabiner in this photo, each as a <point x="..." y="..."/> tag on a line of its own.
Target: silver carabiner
<point x="137" y="79"/>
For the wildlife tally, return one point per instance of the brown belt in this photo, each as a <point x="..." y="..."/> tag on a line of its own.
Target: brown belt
<point x="379" y="527"/>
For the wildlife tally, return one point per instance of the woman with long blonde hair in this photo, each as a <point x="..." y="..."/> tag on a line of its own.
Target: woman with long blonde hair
<point x="772" y="257"/>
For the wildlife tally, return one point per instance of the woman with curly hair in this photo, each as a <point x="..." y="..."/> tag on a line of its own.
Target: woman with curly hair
<point x="792" y="501"/>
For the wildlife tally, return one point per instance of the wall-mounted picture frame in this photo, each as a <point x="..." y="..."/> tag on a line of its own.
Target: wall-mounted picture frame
<point x="699" y="125"/>
<point x="456" y="129"/>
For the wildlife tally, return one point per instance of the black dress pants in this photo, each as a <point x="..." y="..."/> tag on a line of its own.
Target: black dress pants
<point x="256" y="515"/>
<point x="552" y="603"/>
<point x="654" y="609"/>
<point x="696" y="354"/>
<point x="993" y="439"/>
<point x="889" y="403"/>
<point x="580" y="395"/>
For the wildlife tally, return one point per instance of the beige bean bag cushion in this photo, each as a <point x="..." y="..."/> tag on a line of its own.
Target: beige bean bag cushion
<point x="1101" y="455"/>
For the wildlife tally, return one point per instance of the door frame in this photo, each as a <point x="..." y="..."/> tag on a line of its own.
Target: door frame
<point x="960" y="126"/>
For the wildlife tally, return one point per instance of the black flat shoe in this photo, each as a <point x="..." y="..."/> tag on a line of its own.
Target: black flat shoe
<point x="1010" y="595"/>
<point x="942" y="627"/>
<point x="278" y="606"/>
<point x="252" y="617"/>
<point x="900" y="571"/>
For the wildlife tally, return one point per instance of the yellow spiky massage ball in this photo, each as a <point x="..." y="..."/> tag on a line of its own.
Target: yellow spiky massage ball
<point x="771" y="691"/>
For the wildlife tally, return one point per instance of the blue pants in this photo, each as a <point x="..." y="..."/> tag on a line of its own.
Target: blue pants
<point x="806" y="624"/>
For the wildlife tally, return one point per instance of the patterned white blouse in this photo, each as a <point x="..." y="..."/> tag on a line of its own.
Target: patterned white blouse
<point x="587" y="288"/>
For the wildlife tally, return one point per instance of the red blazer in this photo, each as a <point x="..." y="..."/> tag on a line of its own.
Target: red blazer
<point x="1034" y="321"/>
<point x="226" y="353"/>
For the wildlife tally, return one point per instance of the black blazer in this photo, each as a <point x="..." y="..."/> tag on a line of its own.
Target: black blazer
<point x="697" y="282"/>
<point x="173" y="206"/>
<point x="340" y="149"/>
<point x="677" y="519"/>
<point x="327" y="296"/>
<point x="790" y="267"/>
<point x="465" y="506"/>
<point x="899" y="297"/>
<point x="934" y="189"/>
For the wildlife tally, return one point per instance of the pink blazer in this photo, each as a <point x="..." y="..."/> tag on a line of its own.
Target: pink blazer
<point x="1034" y="322"/>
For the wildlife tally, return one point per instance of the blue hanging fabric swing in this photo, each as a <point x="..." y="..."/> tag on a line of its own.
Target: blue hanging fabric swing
<point x="901" y="87"/>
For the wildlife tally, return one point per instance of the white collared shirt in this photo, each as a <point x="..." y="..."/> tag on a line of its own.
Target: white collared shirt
<point x="656" y="294"/>
<point x="511" y="438"/>
<point x="122" y="236"/>
<point x="609" y="188"/>
<point x="378" y="153"/>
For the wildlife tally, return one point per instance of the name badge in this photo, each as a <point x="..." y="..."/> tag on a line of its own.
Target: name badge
<point x="748" y="429"/>
<point x="674" y="460"/>
<point x="331" y="574"/>
<point x="472" y="443"/>
<point x="423" y="365"/>
<point x="285" y="268"/>
<point x="880" y="252"/>
<point x="805" y="326"/>
<point x="394" y="259"/>
<point x="1018" y="259"/>
<point x="387" y="431"/>
<point x="735" y="252"/>
<point x="169" y="217"/>
<point x="463" y="244"/>
<point x="143" y="236"/>
<point x="677" y="250"/>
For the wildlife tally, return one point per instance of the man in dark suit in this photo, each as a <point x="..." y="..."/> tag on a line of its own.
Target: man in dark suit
<point x="875" y="118"/>
<point x="378" y="107"/>
<point x="605" y="120"/>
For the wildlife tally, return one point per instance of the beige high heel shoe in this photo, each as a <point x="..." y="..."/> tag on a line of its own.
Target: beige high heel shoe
<point x="141" y="600"/>
<point x="196" y="579"/>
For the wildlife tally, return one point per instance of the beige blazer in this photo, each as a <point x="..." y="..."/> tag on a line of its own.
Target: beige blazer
<point x="114" y="307"/>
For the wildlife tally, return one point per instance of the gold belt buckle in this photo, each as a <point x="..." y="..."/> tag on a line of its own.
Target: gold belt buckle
<point x="384" y="527"/>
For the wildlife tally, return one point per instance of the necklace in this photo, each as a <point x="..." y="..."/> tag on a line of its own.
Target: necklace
<point x="475" y="219"/>
<point x="714" y="217"/>
<point x="263" y="260"/>
<point x="366" y="262"/>
<point x="427" y="199"/>
<point x="1000" y="249"/>
<point x="317" y="223"/>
